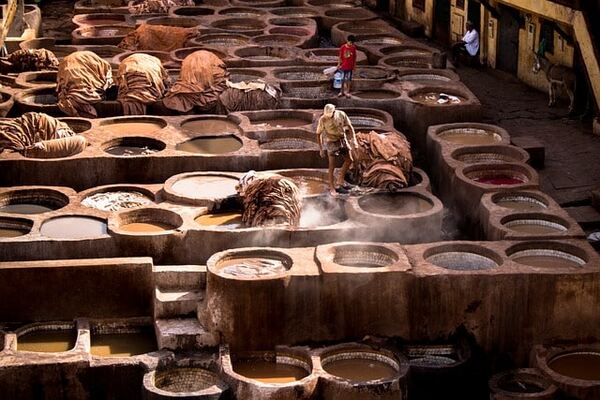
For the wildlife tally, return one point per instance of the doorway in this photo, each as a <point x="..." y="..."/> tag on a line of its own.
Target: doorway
<point x="441" y="22"/>
<point x="507" y="58"/>
<point x="474" y="15"/>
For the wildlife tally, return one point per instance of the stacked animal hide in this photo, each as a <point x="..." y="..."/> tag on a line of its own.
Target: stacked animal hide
<point x="248" y="96"/>
<point x="202" y="79"/>
<point x="39" y="135"/>
<point x="142" y="80"/>
<point x="270" y="200"/>
<point x="82" y="80"/>
<point x="158" y="37"/>
<point x="156" y="6"/>
<point x="21" y="133"/>
<point x="382" y="161"/>
<point x="30" y="60"/>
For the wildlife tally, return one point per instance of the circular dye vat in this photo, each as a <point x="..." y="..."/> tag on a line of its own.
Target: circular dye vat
<point x="310" y="186"/>
<point x="394" y="204"/>
<point x="126" y="344"/>
<point x="73" y="227"/>
<point x="78" y="125"/>
<point x="240" y="24"/>
<point x="519" y="202"/>
<point x="131" y="146"/>
<point x="547" y="258"/>
<point x="134" y="127"/>
<point x="13" y="227"/>
<point x="272" y="372"/>
<point x="361" y="366"/>
<point x="584" y="365"/>
<point x="462" y="261"/>
<point x="185" y="380"/>
<point x="47" y="341"/>
<point x="116" y="201"/>
<point x="432" y="361"/>
<point x="277" y="40"/>
<point x="364" y="256"/>
<point x="211" y="145"/>
<point x="281" y="122"/>
<point x="487" y="158"/>
<point x="226" y="220"/>
<point x="210" y="125"/>
<point x="438" y="98"/>
<point x="470" y="136"/>
<point x="146" y="227"/>
<point x="289" y="144"/>
<point x="317" y="212"/>
<point x="25" y="208"/>
<point x="424" y="77"/>
<point x="206" y="186"/>
<point x="253" y="266"/>
<point x="129" y="151"/>
<point x="222" y="40"/>
<point x="379" y="41"/>
<point x="365" y="121"/>
<point x="40" y="98"/>
<point x="295" y="12"/>
<point x="499" y="180"/>
<point x="535" y="226"/>
<point x="380" y="94"/>
<point x="241" y="12"/>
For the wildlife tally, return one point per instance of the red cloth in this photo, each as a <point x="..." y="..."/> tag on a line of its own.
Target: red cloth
<point x="347" y="57"/>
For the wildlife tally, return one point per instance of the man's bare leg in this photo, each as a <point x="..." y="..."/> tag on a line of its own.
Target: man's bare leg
<point x="343" y="170"/>
<point x="331" y="172"/>
<point x="347" y="85"/>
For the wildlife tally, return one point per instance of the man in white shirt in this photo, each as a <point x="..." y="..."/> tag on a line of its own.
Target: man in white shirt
<point x="468" y="44"/>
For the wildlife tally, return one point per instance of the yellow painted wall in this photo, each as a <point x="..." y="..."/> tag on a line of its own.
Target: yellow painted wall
<point x="411" y="13"/>
<point x="563" y="54"/>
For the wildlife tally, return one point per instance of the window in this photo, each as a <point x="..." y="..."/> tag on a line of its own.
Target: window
<point x="460" y="4"/>
<point x="419" y="4"/>
<point x="547" y="36"/>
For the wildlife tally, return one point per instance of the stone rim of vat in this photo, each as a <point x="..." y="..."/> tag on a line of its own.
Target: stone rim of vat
<point x="152" y="381"/>
<point x="334" y="3"/>
<point x="188" y="11"/>
<point x="78" y="124"/>
<point x="24" y="225"/>
<point x="560" y="225"/>
<point x="327" y="257"/>
<point x="281" y="354"/>
<point x="489" y="260"/>
<point x="249" y="24"/>
<point x="255" y="73"/>
<point x="366" y="40"/>
<point x="203" y="201"/>
<point x="260" y="3"/>
<point x="437" y="144"/>
<point x="178" y="21"/>
<point x="349" y="14"/>
<point x="543" y="355"/>
<point x="87" y="32"/>
<point x="421" y="75"/>
<point x="257" y="119"/>
<point x="80" y="19"/>
<point x="47" y="326"/>
<point x="51" y="198"/>
<point x="333" y="353"/>
<point x="400" y="48"/>
<point x="552" y="248"/>
<point x="133" y="141"/>
<point x="214" y="267"/>
<point x="396" y="93"/>
<point x="240" y="40"/>
<point x="28" y="79"/>
<point x="277" y="39"/>
<point x="292" y="21"/>
<point x="152" y="215"/>
<point x="519" y="171"/>
<point x="453" y="91"/>
<point x="528" y="375"/>
<point x="302" y="12"/>
<point x="408" y="61"/>
<point x="242" y="12"/>
<point x="366" y="112"/>
<point x="511" y="154"/>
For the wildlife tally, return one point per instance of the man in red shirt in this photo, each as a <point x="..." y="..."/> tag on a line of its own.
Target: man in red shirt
<point x="346" y="64"/>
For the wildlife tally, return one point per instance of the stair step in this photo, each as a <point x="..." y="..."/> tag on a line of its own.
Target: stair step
<point x="182" y="334"/>
<point x="180" y="277"/>
<point x="181" y="303"/>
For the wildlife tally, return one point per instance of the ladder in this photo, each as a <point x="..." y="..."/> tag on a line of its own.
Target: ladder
<point x="12" y="22"/>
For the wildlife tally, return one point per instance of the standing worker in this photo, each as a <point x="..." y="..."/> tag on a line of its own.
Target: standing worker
<point x="346" y="64"/>
<point x="335" y="124"/>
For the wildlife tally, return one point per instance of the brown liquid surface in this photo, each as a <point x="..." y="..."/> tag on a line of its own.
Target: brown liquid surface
<point x="130" y="151"/>
<point x="546" y="261"/>
<point x="12" y="232"/>
<point x="42" y="82"/>
<point x="206" y="186"/>
<point x="252" y="266"/>
<point x="123" y="344"/>
<point x="584" y="366"/>
<point x="269" y="372"/>
<point x="47" y="341"/>
<point x="96" y="22"/>
<point x="377" y="94"/>
<point x="25" y="208"/>
<point x="432" y="98"/>
<point x="217" y="145"/>
<point x="133" y="128"/>
<point x="210" y="126"/>
<point x="534" y="229"/>
<point x="520" y="205"/>
<point x="146" y="227"/>
<point x="395" y="205"/>
<point x="230" y="220"/>
<point x="73" y="228"/>
<point x="470" y="138"/>
<point x="360" y="369"/>
<point x="310" y="186"/>
<point x="283" y="122"/>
